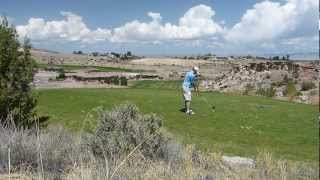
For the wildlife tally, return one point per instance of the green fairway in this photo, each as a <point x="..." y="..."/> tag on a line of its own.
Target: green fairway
<point x="241" y="125"/>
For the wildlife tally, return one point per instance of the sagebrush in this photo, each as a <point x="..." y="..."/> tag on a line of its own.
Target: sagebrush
<point x="124" y="128"/>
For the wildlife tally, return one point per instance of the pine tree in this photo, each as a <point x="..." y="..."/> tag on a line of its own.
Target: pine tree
<point x="17" y="101"/>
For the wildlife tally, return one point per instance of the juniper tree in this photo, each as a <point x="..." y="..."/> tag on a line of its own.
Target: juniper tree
<point x="17" y="101"/>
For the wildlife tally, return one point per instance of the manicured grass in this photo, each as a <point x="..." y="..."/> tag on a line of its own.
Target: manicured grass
<point x="98" y="68"/>
<point x="241" y="125"/>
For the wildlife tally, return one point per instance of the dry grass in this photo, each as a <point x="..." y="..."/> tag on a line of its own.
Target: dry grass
<point x="64" y="157"/>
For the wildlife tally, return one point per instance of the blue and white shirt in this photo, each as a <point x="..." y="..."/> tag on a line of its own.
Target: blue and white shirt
<point x="189" y="79"/>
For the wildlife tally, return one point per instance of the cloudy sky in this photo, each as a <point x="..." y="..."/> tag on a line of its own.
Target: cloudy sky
<point x="168" y="27"/>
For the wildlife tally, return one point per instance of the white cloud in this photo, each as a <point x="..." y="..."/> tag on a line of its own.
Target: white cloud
<point x="155" y="16"/>
<point x="196" y="23"/>
<point x="97" y="35"/>
<point x="270" y="20"/>
<point x="267" y="26"/>
<point x="305" y="43"/>
<point x="72" y="28"/>
<point x="139" y="31"/>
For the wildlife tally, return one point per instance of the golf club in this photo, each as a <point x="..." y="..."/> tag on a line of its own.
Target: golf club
<point x="212" y="108"/>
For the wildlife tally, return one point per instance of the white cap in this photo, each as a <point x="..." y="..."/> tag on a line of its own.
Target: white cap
<point x="196" y="70"/>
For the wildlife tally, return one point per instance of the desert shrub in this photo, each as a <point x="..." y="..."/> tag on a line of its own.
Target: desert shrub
<point x="277" y="84"/>
<point x="286" y="80"/>
<point x="269" y="168"/>
<point x="248" y="88"/>
<point x="268" y="92"/>
<point x="124" y="128"/>
<point x="260" y="91"/>
<point x="307" y="85"/>
<point x="53" y="150"/>
<point x="314" y="92"/>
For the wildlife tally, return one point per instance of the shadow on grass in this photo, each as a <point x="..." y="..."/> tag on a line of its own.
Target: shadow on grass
<point x="182" y="110"/>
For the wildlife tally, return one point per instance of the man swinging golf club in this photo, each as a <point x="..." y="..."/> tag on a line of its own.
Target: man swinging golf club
<point x="189" y="83"/>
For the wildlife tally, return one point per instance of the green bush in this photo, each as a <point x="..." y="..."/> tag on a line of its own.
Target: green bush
<point x="124" y="128"/>
<point x="123" y="81"/>
<point x="268" y="92"/>
<point x="115" y="80"/>
<point x="307" y="85"/>
<point x="61" y="75"/>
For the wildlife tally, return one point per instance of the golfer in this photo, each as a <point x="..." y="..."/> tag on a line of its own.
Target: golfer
<point x="189" y="83"/>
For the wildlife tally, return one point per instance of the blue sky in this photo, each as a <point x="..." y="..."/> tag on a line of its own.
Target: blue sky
<point x="167" y="27"/>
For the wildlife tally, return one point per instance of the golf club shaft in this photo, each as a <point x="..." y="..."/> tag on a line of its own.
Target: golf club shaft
<point x="206" y="101"/>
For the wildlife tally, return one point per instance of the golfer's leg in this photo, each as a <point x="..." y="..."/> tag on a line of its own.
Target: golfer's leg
<point x="189" y="102"/>
<point x="187" y="106"/>
<point x="185" y="102"/>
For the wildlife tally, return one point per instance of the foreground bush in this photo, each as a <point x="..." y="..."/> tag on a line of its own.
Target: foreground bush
<point x="124" y="128"/>
<point x="53" y="151"/>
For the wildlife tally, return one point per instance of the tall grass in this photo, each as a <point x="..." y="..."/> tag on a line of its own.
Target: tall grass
<point x="55" y="153"/>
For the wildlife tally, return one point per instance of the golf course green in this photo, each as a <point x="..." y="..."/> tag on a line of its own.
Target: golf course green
<point x="240" y="125"/>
